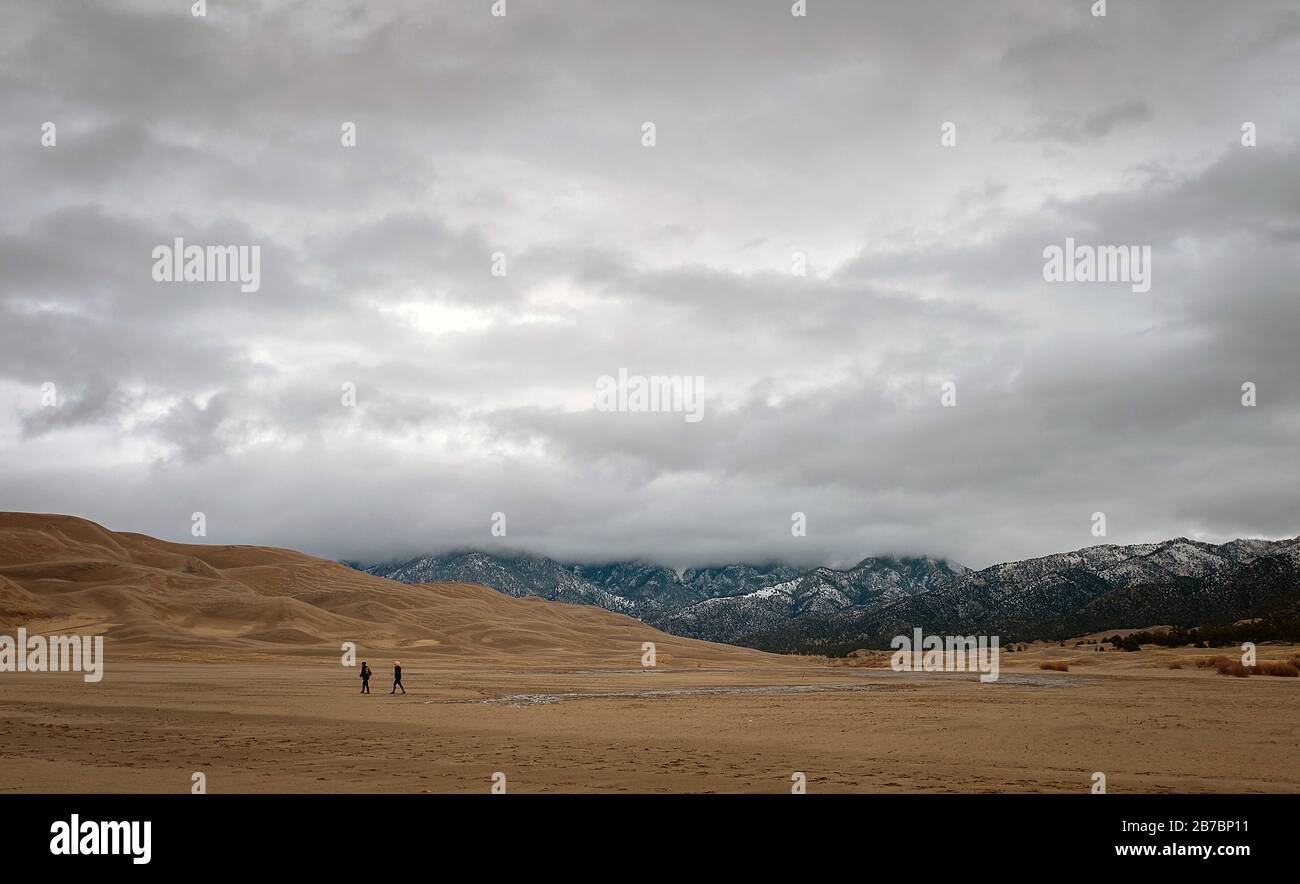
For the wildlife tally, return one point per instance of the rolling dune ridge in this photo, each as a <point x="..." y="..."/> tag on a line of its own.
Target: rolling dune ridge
<point x="161" y="600"/>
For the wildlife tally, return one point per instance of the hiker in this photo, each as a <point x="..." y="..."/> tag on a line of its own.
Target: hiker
<point x="397" y="677"/>
<point x="365" y="677"/>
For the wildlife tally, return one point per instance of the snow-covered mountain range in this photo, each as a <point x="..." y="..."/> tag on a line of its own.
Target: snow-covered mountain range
<point x="787" y="608"/>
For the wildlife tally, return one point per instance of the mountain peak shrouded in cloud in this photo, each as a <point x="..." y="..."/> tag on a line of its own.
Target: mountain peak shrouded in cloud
<point x="439" y="298"/>
<point x="780" y="607"/>
<point x="725" y="603"/>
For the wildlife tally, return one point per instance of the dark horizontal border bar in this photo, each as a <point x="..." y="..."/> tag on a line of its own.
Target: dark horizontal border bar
<point x="631" y="834"/>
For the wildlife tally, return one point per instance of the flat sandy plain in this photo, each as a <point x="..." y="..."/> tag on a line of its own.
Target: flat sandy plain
<point x="224" y="660"/>
<point x="293" y="727"/>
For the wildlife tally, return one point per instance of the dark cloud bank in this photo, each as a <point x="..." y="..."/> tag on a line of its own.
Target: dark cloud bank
<point x="775" y="135"/>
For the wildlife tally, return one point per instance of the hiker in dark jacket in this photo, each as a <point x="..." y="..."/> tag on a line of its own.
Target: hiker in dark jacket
<point x="397" y="677"/>
<point x="365" y="677"/>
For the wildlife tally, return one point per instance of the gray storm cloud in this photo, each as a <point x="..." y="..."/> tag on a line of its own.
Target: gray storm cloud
<point x="776" y="135"/>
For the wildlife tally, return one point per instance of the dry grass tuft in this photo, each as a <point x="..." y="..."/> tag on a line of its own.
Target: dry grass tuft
<point x="1055" y="665"/>
<point x="1235" y="668"/>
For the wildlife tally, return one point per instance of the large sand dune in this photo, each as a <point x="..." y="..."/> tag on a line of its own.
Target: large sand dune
<point x="161" y="600"/>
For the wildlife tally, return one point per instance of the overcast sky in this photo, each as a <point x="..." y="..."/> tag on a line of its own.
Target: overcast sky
<point x="775" y="134"/>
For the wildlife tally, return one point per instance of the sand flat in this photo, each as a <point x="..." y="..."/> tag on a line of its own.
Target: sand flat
<point x="294" y="727"/>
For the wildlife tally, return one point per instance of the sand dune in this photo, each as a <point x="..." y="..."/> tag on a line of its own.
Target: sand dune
<point x="162" y="600"/>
